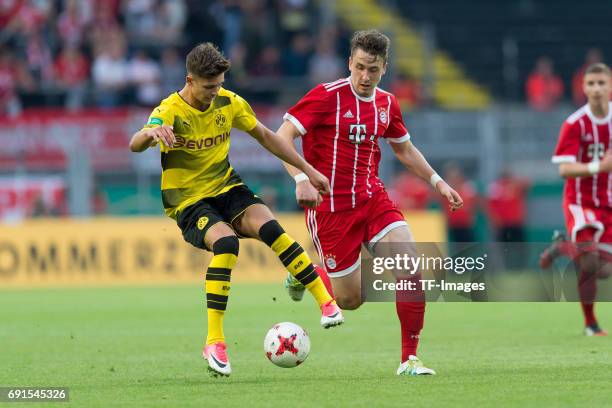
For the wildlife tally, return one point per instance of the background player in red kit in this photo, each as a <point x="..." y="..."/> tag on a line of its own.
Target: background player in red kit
<point x="585" y="161"/>
<point x="340" y="123"/>
<point x="462" y="223"/>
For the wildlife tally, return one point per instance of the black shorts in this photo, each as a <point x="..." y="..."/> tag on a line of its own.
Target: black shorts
<point x="195" y="220"/>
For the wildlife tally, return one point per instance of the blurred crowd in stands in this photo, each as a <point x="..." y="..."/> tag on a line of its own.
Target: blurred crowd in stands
<point x="108" y="53"/>
<point x="74" y="53"/>
<point x="545" y="89"/>
<point x="503" y="203"/>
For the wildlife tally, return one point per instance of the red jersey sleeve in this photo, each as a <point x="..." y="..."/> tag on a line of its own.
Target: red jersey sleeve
<point x="568" y="145"/>
<point x="310" y="110"/>
<point x="396" y="131"/>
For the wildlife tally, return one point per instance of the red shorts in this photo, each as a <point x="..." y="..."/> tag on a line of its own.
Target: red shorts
<point x="587" y="224"/>
<point x="338" y="235"/>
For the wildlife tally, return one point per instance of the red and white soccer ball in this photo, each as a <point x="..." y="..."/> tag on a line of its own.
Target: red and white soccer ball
<point x="287" y="345"/>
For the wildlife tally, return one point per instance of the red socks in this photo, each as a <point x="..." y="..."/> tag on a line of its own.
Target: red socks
<point x="410" y="307"/>
<point x="323" y="275"/>
<point x="587" y="288"/>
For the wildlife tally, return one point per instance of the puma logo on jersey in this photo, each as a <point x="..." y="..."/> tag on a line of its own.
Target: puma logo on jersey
<point x="348" y="115"/>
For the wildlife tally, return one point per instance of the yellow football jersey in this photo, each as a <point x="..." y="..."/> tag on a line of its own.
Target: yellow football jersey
<point x="197" y="166"/>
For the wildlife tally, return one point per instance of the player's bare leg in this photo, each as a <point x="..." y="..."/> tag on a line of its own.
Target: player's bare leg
<point x="347" y="290"/>
<point x="410" y="306"/>
<point x="258" y="222"/>
<point x="224" y="244"/>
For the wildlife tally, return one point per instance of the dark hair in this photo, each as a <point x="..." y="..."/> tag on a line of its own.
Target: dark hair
<point x="371" y="41"/>
<point x="598" y="68"/>
<point x="206" y="61"/>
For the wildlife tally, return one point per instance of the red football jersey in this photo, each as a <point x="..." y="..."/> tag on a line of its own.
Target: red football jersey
<point x="585" y="138"/>
<point x="507" y="202"/>
<point x="340" y="132"/>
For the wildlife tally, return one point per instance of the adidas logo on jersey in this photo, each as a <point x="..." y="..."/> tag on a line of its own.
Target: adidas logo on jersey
<point x="348" y="115"/>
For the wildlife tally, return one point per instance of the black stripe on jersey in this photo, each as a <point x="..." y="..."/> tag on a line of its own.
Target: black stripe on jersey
<point x="179" y="159"/>
<point x="213" y="173"/>
<point x="221" y="101"/>
<point x="163" y="161"/>
<point x="234" y="178"/>
<point x="307" y="275"/>
<point x="290" y="253"/>
<point x="171" y="197"/>
<point x="217" y="170"/>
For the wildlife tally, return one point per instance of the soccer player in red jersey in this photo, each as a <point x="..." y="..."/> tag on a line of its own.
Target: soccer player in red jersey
<point x="585" y="161"/>
<point x="340" y="124"/>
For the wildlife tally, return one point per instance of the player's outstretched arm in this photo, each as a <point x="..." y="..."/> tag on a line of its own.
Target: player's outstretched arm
<point x="288" y="132"/>
<point x="286" y="151"/>
<point x="413" y="159"/>
<point x="305" y="193"/>
<point x="573" y="170"/>
<point x="145" y="138"/>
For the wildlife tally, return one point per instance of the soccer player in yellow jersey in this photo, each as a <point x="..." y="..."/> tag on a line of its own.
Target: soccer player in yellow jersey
<point x="207" y="198"/>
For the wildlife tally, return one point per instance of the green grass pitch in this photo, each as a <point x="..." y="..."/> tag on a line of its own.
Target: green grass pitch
<point x="140" y="347"/>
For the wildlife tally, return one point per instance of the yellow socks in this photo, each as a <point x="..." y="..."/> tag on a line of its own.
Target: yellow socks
<point x="295" y="259"/>
<point x="218" y="285"/>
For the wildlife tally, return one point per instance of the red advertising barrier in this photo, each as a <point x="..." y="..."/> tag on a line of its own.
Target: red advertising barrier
<point x="41" y="139"/>
<point x="31" y="196"/>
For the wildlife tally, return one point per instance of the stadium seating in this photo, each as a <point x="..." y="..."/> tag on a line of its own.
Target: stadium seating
<point x="475" y="32"/>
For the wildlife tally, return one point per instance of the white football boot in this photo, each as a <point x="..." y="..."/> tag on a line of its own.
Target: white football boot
<point x="414" y="366"/>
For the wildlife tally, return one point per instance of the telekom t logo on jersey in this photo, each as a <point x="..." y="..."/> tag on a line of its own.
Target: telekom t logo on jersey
<point x="596" y="151"/>
<point x="357" y="133"/>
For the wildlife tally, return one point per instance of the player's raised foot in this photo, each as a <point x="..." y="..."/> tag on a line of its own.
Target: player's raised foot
<point x="331" y="315"/>
<point x="218" y="363"/>
<point x="594" y="330"/>
<point x="294" y="288"/>
<point x="414" y="366"/>
<point x="548" y="256"/>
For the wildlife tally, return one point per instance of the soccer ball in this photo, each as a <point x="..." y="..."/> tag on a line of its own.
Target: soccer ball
<point x="287" y="345"/>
